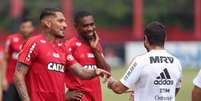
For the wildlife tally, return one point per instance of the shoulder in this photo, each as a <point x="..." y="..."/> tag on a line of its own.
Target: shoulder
<point x="73" y="43"/>
<point x="35" y="40"/>
<point x="14" y="37"/>
<point x="139" y="59"/>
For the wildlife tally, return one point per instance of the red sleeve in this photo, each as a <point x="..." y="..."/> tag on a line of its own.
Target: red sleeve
<point x="7" y="45"/>
<point x="70" y="60"/>
<point x="28" y="53"/>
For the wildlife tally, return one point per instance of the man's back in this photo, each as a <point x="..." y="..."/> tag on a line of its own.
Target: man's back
<point x="154" y="76"/>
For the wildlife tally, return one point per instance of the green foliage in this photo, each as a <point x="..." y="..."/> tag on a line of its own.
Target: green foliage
<point x="111" y="13"/>
<point x="107" y="12"/>
<point x="170" y="12"/>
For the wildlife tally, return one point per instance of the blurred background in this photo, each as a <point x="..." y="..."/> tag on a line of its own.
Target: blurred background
<point x="120" y="24"/>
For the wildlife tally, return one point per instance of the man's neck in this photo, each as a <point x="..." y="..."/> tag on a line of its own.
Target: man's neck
<point x="51" y="38"/>
<point x="157" y="48"/>
<point x="82" y="38"/>
<point x="24" y="36"/>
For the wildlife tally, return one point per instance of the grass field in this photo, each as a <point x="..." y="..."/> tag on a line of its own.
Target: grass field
<point x="184" y="94"/>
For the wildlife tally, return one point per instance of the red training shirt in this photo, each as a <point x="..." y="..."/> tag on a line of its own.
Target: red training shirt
<point x="46" y="62"/>
<point x="83" y="55"/>
<point x="13" y="44"/>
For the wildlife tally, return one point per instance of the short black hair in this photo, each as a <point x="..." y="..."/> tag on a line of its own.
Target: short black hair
<point x="25" y="19"/>
<point x="49" y="12"/>
<point x="156" y="33"/>
<point x="79" y="15"/>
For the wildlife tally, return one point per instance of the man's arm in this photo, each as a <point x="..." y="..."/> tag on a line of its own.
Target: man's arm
<point x="83" y="73"/>
<point x="101" y="63"/>
<point x="196" y="94"/>
<point x="117" y="86"/>
<point x="4" y="68"/>
<point x="19" y="77"/>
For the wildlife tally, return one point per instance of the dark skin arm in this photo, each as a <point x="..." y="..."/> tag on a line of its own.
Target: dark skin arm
<point x="101" y="63"/>
<point x="4" y="62"/>
<point x="19" y="77"/>
<point x="196" y="94"/>
<point x="85" y="74"/>
<point x="116" y="86"/>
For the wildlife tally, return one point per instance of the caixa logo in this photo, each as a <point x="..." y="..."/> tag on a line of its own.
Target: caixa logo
<point x="90" y="67"/>
<point x="55" y="67"/>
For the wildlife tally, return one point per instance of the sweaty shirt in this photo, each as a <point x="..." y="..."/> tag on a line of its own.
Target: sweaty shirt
<point x="12" y="47"/>
<point x="46" y="62"/>
<point x="154" y="76"/>
<point x="84" y="56"/>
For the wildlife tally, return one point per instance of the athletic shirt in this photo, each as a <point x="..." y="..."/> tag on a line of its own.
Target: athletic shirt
<point x="84" y="56"/>
<point x="154" y="76"/>
<point x="197" y="80"/>
<point x="13" y="44"/>
<point x="46" y="62"/>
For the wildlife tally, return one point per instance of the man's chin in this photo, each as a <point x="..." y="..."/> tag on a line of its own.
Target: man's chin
<point x="60" y="36"/>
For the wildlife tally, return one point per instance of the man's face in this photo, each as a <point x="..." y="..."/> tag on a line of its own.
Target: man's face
<point x="86" y="27"/>
<point x="26" y="28"/>
<point x="58" y="25"/>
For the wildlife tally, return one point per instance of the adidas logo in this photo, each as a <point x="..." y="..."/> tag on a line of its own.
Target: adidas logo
<point x="164" y="78"/>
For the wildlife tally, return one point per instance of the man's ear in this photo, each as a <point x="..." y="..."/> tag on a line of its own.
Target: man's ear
<point x="146" y="40"/>
<point x="46" y="22"/>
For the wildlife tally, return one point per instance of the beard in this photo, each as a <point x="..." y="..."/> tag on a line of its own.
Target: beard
<point x="88" y="36"/>
<point x="60" y="35"/>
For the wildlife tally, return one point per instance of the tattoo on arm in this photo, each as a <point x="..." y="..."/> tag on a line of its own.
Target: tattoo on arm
<point x="20" y="73"/>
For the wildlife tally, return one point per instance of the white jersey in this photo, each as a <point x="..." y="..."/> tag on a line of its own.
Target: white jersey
<point x="154" y="76"/>
<point x="197" y="80"/>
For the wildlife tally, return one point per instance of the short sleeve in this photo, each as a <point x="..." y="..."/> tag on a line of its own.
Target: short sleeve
<point x="7" y="45"/>
<point x="70" y="60"/>
<point x="197" y="80"/>
<point x="132" y="75"/>
<point x="28" y="53"/>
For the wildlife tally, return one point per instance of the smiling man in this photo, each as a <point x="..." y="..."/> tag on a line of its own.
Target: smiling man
<point x="87" y="51"/>
<point x="39" y="74"/>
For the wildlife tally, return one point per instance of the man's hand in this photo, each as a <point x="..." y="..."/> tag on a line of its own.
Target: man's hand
<point x="93" y="42"/>
<point x="74" y="95"/>
<point x="110" y="81"/>
<point x="116" y="86"/>
<point x="102" y="73"/>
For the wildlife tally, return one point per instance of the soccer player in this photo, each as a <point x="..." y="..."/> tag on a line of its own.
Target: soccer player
<point x="196" y="92"/>
<point x="86" y="49"/>
<point x="154" y="76"/>
<point x="13" y="45"/>
<point x="39" y="74"/>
